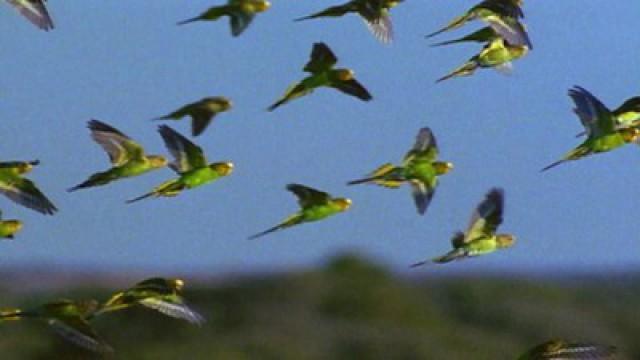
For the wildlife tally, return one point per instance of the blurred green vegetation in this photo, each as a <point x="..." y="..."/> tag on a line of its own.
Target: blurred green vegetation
<point x="351" y="309"/>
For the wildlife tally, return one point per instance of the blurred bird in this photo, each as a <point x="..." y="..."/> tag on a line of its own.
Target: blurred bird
<point x="201" y="112"/>
<point x="35" y="11"/>
<point x="21" y="190"/>
<point x="8" y="228"/>
<point x="419" y="168"/>
<point x="497" y="54"/>
<point x="601" y="128"/>
<point x="562" y="350"/>
<point x="501" y="15"/>
<point x="314" y="205"/>
<point x="323" y="74"/>
<point x="190" y="164"/>
<point x="375" y="14"/>
<point x="127" y="157"/>
<point x="240" y="13"/>
<point x="480" y="237"/>
<point x="626" y="115"/>
<point x="484" y="35"/>
<point x="67" y="318"/>
<point x="163" y="295"/>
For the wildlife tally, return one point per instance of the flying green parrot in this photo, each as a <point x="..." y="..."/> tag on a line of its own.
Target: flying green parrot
<point x="190" y="164"/>
<point x="375" y="14"/>
<point x="35" y="11"/>
<point x="127" y="157"/>
<point x="626" y="115"/>
<point x="321" y="67"/>
<point x="9" y="228"/>
<point x="501" y="15"/>
<point x="201" y="112"/>
<point x="314" y="205"/>
<point x="419" y="168"/>
<point x="21" y="190"/>
<point x="562" y="350"/>
<point x="496" y="54"/>
<point x="600" y="124"/>
<point x="67" y="318"/>
<point x="163" y="295"/>
<point x="240" y="13"/>
<point x="480" y="237"/>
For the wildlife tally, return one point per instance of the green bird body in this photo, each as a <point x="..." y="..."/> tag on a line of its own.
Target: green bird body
<point x="501" y="15"/>
<point x="201" y="112"/>
<point x="496" y="54"/>
<point x="480" y="237"/>
<point x="163" y="295"/>
<point x="190" y="164"/>
<point x="323" y="73"/>
<point x="603" y="133"/>
<point x="67" y="318"/>
<point x="22" y="190"/>
<point x="35" y="11"/>
<point x="375" y="14"/>
<point x="419" y="168"/>
<point x="240" y="13"/>
<point x="127" y="157"/>
<point x="562" y="350"/>
<point x="8" y="228"/>
<point x="315" y="205"/>
<point x="626" y="115"/>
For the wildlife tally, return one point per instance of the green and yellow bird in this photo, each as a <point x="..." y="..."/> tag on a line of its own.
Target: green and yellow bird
<point x="603" y="133"/>
<point x="323" y="73"/>
<point x="128" y="158"/>
<point x="419" y="168"/>
<point x="314" y="205"/>
<point x="501" y="15"/>
<point x="190" y="164"/>
<point x="67" y="318"/>
<point x="240" y="13"/>
<point x="163" y="295"/>
<point x="35" y="11"/>
<point x="9" y="228"/>
<point x="201" y="112"/>
<point x="626" y="115"/>
<point x="22" y="190"/>
<point x="375" y="14"/>
<point x="497" y="54"/>
<point x="480" y="237"/>
<point x="562" y="350"/>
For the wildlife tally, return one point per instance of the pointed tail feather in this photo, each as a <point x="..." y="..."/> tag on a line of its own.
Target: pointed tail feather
<point x="276" y="104"/>
<point x="362" y="181"/>
<point x="140" y="197"/>
<point x="553" y="165"/>
<point x="268" y="231"/>
<point x="446" y="42"/>
<point x="418" y="264"/>
<point x="457" y="22"/>
<point x="464" y="70"/>
<point x="183" y="22"/>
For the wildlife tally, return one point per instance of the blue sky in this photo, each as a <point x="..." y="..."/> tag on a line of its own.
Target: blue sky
<point x="126" y="62"/>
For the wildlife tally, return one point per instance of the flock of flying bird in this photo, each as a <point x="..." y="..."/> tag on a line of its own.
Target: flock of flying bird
<point x="505" y="39"/>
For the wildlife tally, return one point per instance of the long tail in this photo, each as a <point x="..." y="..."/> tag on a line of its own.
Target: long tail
<point x="189" y="20"/>
<point x="447" y="42"/>
<point x="553" y="165"/>
<point x="292" y="220"/>
<point x="415" y="265"/>
<point x="467" y="69"/>
<point x="363" y="181"/>
<point x="149" y="194"/>
<point x="277" y="104"/>
<point x="457" y="22"/>
<point x="97" y="179"/>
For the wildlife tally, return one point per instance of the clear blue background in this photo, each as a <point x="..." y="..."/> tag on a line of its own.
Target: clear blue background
<point x="125" y="62"/>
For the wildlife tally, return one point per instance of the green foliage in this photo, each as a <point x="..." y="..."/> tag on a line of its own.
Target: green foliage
<point x="352" y="309"/>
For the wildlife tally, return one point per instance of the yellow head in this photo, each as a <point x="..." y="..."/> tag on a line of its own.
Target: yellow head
<point x="8" y="228"/>
<point x="222" y="168"/>
<point x="176" y="284"/>
<point x="630" y="134"/>
<point x="342" y="203"/>
<point x="255" y="6"/>
<point x="505" y="240"/>
<point x="24" y="167"/>
<point x="344" y="74"/>
<point x="157" y="161"/>
<point x="442" y="167"/>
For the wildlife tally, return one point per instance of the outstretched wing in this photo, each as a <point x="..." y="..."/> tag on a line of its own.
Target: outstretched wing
<point x="354" y="88"/>
<point x="322" y="59"/>
<point x="596" y="118"/>
<point x="24" y="192"/>
<point x="487" y="216"/>
<point x="424" y="147"/>
<point x="118" y="146"/>
<point x="240" y="21"/>
<point x="174" y="309"/>
<point x="35" y="11"/>
<point x="308" y="196"/>
<point x="422" y="195"/>
<point x="79" y="332"/>
<point x="187" y="155"/>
